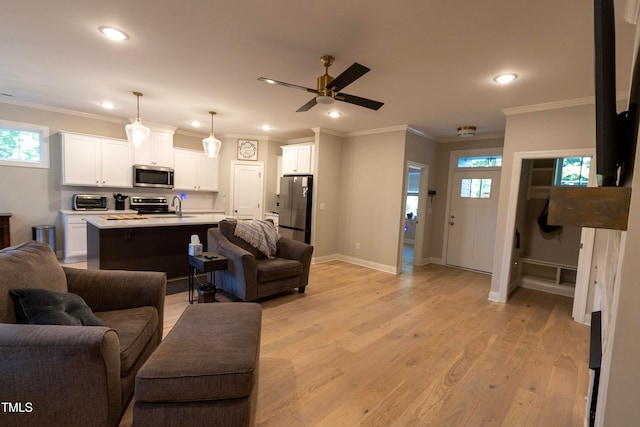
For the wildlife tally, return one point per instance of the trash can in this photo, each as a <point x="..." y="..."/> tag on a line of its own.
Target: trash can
<point x="45" y="234"/>
<point x="206" y="294"/>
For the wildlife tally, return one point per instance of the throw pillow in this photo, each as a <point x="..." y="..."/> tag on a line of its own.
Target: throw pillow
<point x="45" y="307"/>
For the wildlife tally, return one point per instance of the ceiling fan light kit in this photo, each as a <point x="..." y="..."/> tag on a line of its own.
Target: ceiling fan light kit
<point x="211" y="144"/>
<point x="137" y="134"/>
<point x="466" y="131"/>
<point x="328" y="89"/>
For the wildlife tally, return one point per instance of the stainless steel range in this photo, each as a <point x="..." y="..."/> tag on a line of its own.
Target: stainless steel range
<point x="150" y="205"/>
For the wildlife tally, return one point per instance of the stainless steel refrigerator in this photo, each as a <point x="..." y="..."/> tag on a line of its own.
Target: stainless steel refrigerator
<point x="296" y="193"/>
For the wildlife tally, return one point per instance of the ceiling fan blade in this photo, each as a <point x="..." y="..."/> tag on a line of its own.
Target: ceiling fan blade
<point x="348" y="76"/>
<point x="276" y="82"/>
<point x="307" y="106"/>
<point x="362" y="102"/>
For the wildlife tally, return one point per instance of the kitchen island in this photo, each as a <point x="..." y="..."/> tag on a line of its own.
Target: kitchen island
<point x="153" y="243"/>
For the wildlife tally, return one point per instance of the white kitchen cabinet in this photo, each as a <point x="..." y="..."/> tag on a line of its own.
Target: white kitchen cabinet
<point x="95" y="161"/>
<point x="75" y="234"/>
<point x="158" y="152"/>
<point x="193" y="170"/>
<point x="297" y="159"/>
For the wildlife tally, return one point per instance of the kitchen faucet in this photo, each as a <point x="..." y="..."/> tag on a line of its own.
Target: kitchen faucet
<point x="178" y="209"/>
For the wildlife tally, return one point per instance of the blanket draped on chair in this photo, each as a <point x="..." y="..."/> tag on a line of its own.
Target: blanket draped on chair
<point x="260" y="234"/>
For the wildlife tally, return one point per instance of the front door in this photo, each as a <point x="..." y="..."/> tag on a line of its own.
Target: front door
<point x="472" y="219"/>
<point x="247" y="191"/>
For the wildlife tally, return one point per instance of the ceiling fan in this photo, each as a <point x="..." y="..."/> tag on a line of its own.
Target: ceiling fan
<point x="329" y="88"/>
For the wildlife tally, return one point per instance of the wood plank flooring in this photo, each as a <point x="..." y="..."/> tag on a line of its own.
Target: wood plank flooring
<point x="424" y="348"/>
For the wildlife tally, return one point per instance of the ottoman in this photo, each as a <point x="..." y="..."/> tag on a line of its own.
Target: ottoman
<point x="205" y="372"/>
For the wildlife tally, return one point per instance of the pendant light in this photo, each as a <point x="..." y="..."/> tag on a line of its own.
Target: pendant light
<point x="211" y="144"/>
<point x="136" y="133"/>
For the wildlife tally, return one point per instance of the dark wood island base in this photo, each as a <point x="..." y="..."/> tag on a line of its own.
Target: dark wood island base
<point x="162" y="248"/>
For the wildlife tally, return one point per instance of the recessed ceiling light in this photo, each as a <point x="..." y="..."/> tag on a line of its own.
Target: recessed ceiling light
<point x="505" y="78"/>
<point x="108" y="105"/>
<point x="334" y="114"/>
<point x="195" y="124"/>
<point x="266" y="127"/>
<point x="113" y="33"/>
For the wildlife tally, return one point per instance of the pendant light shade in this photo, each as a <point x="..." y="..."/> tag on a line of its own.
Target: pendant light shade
<point x="211" y="144"/>
<point x="137" y="134"/>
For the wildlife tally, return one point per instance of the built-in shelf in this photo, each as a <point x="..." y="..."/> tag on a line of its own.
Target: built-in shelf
<point x="541" y="178"/>
<point x="547" y="276"/>
<point x="595" y="207"/>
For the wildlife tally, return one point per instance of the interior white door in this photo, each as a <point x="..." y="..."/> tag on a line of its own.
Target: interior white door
<point x="472" y="219"/>
<point x="247" y="191"/>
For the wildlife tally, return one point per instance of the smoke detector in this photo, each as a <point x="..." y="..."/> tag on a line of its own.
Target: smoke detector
<point x="466" y="131"/>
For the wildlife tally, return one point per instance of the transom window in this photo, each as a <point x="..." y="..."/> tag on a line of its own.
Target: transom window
<point x="475" y="188"/>
<point x="480" y="162"/>
<point x="23" y="144"/>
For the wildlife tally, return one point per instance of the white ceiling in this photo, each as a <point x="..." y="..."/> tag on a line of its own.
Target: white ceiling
<point x="432" y="61"/>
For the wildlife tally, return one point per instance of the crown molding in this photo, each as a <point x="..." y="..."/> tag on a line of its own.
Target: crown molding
<point x="64" y="111"/>
<point x="328" y="131"/>
<point x="495" y="135"/>
<point x="589" y="100"/>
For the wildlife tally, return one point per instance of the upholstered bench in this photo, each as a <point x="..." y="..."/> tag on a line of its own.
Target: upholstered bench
<point x="205" y="372"/>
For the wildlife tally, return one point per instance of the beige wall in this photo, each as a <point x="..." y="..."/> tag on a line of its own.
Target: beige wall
<point x="371" y="198"/>
<point x="328" y="184"/>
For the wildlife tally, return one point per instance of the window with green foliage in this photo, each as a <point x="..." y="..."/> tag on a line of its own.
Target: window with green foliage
<point x="23" y="144"/>
<point x="572" y="171"/>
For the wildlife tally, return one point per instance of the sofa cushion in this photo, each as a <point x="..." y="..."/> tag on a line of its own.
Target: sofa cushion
<point x="135" y="327"/>
<point x="45" y="307"/>
<point x="277" y="269"/>
<point x="228" y="228"/>
<point x="29" y="265"/>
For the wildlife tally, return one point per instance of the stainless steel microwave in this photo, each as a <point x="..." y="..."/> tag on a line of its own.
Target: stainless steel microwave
<point x="152" y="176"/>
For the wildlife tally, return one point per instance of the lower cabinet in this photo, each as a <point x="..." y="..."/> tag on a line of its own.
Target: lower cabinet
<point x="75" y="233"/>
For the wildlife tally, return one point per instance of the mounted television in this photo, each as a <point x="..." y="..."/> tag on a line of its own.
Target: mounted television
<point x="616" y="134"/>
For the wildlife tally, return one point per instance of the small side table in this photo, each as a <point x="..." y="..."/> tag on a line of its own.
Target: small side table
<point x="208" y="261"/>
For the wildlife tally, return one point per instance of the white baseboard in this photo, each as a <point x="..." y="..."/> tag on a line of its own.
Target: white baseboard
<point x="436" y="260"/>
<point x="356" y="261"/>
<point x="494" y="296"/>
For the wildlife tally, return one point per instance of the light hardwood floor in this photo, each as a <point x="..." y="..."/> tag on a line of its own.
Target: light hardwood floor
<point x="424" y="348"/>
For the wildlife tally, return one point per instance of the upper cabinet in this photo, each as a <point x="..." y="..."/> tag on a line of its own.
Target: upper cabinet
<point x="95" y="161"/>
<point x="297" y="159"/>
<point x="193" y="170"/>
<point x="159" y="152"/>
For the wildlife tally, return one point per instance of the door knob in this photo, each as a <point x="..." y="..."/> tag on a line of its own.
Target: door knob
<point x="451" y="223"/>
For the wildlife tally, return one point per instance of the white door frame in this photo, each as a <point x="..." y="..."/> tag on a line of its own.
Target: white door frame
<point x="453" y="167"/>
<point x="418" y="245"/>
<point x="587" y="238"/>
<point x="232" y="187"/>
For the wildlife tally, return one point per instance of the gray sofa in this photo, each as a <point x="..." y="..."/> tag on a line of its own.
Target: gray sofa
<point x="250" y="275"/>
<point x="75" y="375"/>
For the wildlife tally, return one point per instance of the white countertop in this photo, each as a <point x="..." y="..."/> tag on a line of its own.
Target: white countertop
<point x="98" y="212"/>
<point x="155" y="220"/>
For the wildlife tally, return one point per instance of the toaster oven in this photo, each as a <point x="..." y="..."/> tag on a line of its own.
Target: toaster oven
<point x="89" y="202"/>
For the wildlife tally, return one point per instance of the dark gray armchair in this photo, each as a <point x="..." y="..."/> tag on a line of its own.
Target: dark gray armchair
<point x="75" y="375"/>
<point x="250" y="274"/>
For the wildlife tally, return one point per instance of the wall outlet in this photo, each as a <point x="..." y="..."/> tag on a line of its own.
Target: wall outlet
<point x="357" y="246"/>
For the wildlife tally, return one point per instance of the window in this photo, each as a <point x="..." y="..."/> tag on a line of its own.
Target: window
<point x="475" y="188"/>
<point x="572" y="171"/>
<point x="480" y="162"/>
<point x="23" y="144"/>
